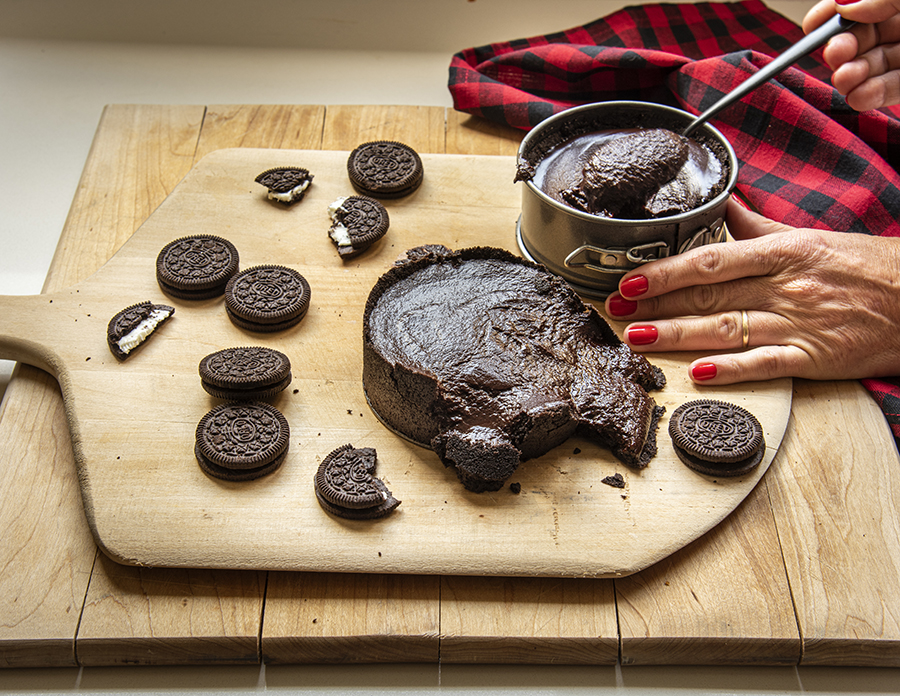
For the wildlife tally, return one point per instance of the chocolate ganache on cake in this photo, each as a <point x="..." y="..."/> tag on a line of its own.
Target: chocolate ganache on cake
<point x="491" y="360"/>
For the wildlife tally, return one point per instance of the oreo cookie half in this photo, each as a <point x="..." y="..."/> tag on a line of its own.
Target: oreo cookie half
<point x="285" y="184"/>
<point x="346" y="486"/>
<point x="245" y="374"/>
<point x="267" y="298"/>
<point x="357" y="222"/>
<point x="385" y="169"/>
<point x="133" y="325"/>
<point x="196" y="267"/>
<point x="717" y="438"/>
<point x="242" y="441"/>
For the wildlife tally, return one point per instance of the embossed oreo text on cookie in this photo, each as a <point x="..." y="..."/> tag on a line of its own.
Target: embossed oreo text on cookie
<point x="196" y="267"/>
<point x="267" y="298"/>
<point x="346" y="486"/>
<point x="285" y="184"/>
<point x="242" y="441"/>
<point x="357" y="223"/>
<point x="245" y="373"/>
<point x="385" y="169"/>
<point x="717" y="438"/>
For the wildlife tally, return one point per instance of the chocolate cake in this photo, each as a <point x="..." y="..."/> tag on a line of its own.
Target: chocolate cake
<point x="491" y="360"/>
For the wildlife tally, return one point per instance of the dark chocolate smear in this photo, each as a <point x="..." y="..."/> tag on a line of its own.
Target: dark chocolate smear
<point x="623" y="172"/>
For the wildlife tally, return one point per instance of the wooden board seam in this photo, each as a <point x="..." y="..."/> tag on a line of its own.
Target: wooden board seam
<point x="84" y="601"/>
<point x="618" y="619"/>
<point x="262" y="619"/>
<point x="787" y="574"/>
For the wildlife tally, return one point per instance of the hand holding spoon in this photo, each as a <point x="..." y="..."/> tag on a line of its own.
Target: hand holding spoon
<point x="805" y="46"/>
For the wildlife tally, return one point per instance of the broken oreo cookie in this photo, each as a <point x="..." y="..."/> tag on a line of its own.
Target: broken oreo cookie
<point x="133" y="325"/>
<point x="242" y="441"/>
<point x="345" y="485"/>
<point x="267" y="298"/>
<point x="717" y="438"/>
<point x="245" y="373"/>
<point x="285" y="184"/>
<point x="357" y="223"/>
<point x="385" y="169"/>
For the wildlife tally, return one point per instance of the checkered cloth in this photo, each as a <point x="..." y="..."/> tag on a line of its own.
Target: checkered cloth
<point x="807" y="159"/>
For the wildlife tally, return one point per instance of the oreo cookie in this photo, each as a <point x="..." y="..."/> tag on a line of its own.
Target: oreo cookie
<point x="346" y="486"/>
<point x="196" y="267"/>
<point x="385" y="169"/>
<point x="267" y="298"/>
<point x="717" y="438"/>
<point x="131" y="327"/>
<point x="357" y="222"/>
<point x="285" y="184"/>
<point x="245" y="373"/>
<point x="242" y="441"/>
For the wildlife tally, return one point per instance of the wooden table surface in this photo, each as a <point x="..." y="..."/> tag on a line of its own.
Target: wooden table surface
<point x="806" y="571"/>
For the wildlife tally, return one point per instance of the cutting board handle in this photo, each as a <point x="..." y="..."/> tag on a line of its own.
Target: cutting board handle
<point x="31" y="330"/>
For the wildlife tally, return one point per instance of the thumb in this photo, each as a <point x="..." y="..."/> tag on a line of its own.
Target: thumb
<point x="745" y="224"/>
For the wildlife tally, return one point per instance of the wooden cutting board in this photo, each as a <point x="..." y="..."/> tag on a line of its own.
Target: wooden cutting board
<point x="133" y="423"/>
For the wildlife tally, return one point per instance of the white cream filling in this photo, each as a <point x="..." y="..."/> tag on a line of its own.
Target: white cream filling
<point x="289" y="196"/>
<point x="336" y="206"/>
<point x="139" y="333"/>
<point x="338" y="232"/>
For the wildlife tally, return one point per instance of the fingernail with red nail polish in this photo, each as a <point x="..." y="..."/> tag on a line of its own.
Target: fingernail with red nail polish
<point x="642" y="335"/>
<point x="620" y="307"/>
<point x="634" y="286"/>
<point x="703" y="371"/>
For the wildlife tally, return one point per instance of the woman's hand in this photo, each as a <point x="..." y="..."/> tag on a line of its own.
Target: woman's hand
<point x="819" y="304"/>
<point x="865" y="60"/>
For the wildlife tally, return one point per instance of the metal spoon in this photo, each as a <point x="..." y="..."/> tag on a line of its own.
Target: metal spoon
<point x="805" y="46"/>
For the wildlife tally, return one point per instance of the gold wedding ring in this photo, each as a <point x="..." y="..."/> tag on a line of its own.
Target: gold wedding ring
<point x="745" y="329"/>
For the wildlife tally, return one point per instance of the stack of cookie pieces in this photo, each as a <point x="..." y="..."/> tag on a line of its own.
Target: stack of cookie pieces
<point x="244" y="438"/>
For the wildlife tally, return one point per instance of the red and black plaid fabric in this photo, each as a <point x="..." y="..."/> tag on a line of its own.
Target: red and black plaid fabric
<point x="807" y="159"/>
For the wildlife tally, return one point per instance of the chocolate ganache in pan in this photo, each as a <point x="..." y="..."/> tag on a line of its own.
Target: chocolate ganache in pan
<point x="491" y="360"/>
<point x="631" y="174"/>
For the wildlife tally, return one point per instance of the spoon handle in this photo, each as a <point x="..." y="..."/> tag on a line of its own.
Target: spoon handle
<point x="806" y="45"/>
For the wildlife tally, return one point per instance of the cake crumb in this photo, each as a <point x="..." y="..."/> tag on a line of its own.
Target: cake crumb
<point x="515" y="488"/>
<point x="616" y="481"/>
